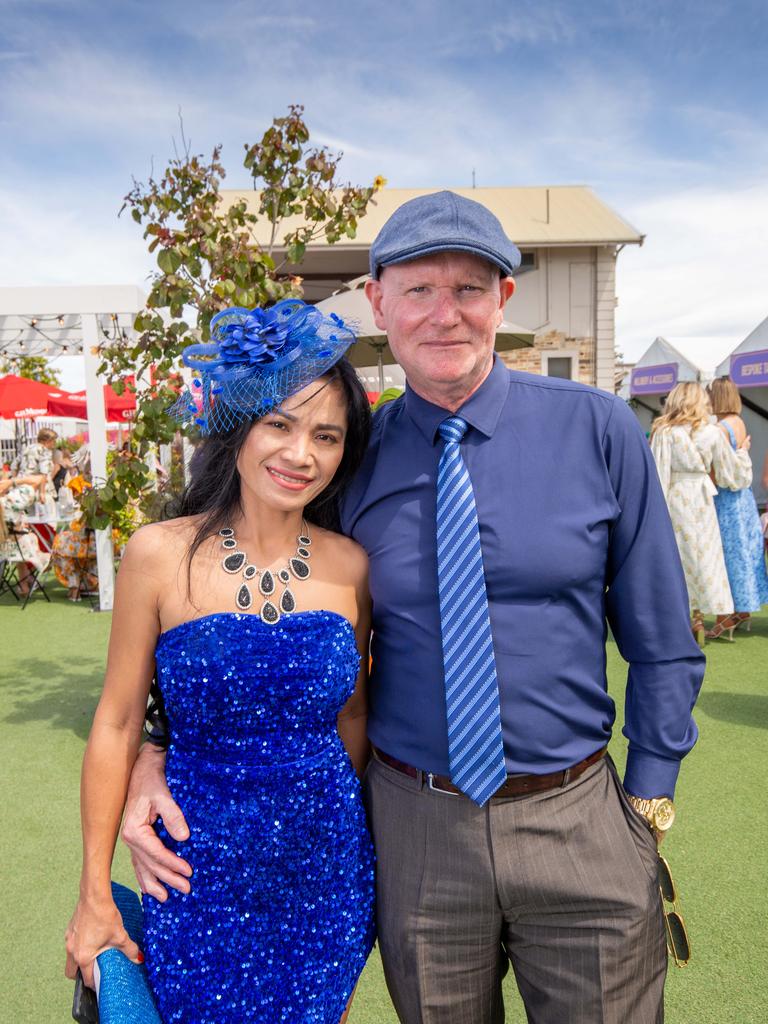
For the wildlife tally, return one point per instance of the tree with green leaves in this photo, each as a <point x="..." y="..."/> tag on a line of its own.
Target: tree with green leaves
<point x="208" y="258"/>
<point x="33" y="368"/>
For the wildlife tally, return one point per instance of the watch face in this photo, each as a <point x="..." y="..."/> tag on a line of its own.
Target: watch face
<point x="663" y="815"/>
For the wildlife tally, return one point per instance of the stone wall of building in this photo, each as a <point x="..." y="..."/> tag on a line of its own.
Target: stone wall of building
<point x="530" y="360"/>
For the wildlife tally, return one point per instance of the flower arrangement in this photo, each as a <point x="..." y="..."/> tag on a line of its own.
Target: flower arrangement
<point x="78" y="484"/>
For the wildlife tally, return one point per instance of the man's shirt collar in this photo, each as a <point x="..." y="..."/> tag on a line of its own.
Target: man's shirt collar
<point x="481" y="410"/>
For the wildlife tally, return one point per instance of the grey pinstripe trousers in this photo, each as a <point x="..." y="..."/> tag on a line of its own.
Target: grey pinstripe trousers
<point x="561" y="884"/>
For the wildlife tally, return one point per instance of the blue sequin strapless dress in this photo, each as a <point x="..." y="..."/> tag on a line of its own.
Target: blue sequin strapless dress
<point x="279" y="921"/>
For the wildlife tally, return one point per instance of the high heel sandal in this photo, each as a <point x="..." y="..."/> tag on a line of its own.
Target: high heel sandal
<point x="726" y="625"/>
<point x="745" y="620"/>
<point x="697" y="627"/>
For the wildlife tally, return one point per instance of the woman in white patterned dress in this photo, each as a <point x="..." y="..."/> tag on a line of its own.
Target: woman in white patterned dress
<point x="17" y="496"/>
<point x="692" y="455"/>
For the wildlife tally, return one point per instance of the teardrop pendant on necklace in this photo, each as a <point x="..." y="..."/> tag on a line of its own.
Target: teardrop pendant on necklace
<point x="269" y="613"/>
<point x="234" y="562"/>
<point x="287" y="602"/>
<point x="299" y="569"/>
<point x="244" y="599"/>
<point x="267" y="583"/>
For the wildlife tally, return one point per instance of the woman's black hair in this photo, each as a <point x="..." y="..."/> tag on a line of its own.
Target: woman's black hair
<point x="213" y="492"/>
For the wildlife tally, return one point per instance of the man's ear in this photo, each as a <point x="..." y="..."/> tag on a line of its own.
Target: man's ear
<point x="506" y="291"/>
<point x="373" y="293"/>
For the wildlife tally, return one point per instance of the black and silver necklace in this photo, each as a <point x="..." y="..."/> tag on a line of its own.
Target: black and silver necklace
<point x="236" y="561"/>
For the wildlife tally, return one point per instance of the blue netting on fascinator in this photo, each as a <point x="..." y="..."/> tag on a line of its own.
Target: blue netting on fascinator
<point x="256" y="359"/>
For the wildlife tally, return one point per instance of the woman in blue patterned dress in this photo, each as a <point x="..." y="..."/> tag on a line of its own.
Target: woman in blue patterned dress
<point x="739" y="520"/>
<point x="255" y="619"/>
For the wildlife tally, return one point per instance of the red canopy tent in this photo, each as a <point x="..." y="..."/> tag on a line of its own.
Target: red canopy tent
<point x="22" y="399"/>
<point x="118" y="407"/>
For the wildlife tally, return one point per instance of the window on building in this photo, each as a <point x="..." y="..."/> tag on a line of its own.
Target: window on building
<point x="527" y="262"/>
<point x="560" y="366"/>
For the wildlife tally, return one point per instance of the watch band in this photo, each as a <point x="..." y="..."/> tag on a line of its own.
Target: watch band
<point x="641" y="805"/>
<point x="659" y="812"/>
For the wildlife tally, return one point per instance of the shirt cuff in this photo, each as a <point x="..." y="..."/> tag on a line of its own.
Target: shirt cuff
<point x="649" y="776"/>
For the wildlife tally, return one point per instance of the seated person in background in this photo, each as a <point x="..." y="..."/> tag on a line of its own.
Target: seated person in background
<point x="81" y="460"/>
<point x="74" y="559"/>
<point x="63" y="466"/>
<point x="37" y="459"/>
<point x="17" y="496"/>
<point x="30" y="487"/>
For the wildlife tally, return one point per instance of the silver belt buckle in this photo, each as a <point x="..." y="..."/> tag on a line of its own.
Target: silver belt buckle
<point x="438" y="789"/>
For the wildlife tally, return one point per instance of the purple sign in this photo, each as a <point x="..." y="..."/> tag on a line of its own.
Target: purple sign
<point x="653" y="380"/>
<point x="750" y="369"/>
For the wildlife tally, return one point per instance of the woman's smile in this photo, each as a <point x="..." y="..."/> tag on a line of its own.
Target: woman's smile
<point x="288" y="479"/>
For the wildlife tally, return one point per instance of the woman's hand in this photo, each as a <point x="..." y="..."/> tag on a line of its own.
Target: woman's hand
<point x="94" y="927"/>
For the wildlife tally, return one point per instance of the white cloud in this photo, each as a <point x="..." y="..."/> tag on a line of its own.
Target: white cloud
<point x="529" y="24"/>
<point x="421" y="94"/>
<point x="700" y="278"/>
<point x="84" y="99"/>
<point x="58" y="241"/>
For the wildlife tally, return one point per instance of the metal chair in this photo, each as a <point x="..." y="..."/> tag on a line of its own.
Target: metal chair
<point x="14" y="558"/>
<point x="7" y="572"/>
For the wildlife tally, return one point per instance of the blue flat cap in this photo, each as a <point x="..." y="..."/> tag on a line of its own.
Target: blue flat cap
<point x="442" y="222"/>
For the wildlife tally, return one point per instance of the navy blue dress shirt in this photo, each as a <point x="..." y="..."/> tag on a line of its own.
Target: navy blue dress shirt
<point x="575" y="536"/>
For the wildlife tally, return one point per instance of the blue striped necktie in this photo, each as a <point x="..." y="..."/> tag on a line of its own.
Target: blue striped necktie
<point x="475" y="748"/>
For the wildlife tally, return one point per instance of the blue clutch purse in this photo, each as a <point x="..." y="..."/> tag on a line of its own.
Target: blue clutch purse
<point x="123" y="990"/>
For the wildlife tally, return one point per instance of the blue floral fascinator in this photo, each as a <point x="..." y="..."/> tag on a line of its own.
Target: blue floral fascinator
<point x="256" y="359"/>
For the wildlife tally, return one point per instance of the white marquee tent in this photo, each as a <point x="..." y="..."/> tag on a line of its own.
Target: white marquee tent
<point x="653" y="376"/>
<point x="747" y="366"/>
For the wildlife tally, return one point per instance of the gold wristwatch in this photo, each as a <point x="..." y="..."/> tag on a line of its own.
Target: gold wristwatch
<point x="658" y="812"/>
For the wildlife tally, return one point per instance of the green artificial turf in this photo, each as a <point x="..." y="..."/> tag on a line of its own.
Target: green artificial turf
<point x="51" y="659"/>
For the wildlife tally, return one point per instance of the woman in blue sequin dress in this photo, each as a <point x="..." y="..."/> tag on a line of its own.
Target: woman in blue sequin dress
<point x="256" y="622"/>
<point x="739" y="520"/>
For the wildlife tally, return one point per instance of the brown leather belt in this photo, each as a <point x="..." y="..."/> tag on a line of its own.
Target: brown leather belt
<point x="516" y="785"/>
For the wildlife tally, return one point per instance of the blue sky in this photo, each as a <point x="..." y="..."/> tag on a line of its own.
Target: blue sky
<point x="660" y="107"/>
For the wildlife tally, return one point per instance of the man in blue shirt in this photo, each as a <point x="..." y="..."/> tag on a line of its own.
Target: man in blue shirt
<point x="502" y="833"/>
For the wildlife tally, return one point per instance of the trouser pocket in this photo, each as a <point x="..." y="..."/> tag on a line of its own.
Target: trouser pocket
<point x="642" y="836"/>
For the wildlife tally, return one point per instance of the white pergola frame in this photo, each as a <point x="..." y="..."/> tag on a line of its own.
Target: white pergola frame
<point x="70" y="321"/>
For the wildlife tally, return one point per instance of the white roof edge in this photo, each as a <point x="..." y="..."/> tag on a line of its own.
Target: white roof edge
<point x="352" y="247"/>
<point x="640" y="237"/>
<point x="755" y="341"/>
<point x="680" y="355"/>
<point x="661" y="343"/>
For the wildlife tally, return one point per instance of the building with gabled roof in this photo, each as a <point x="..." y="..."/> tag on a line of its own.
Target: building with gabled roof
<point x="566" y="286"/>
